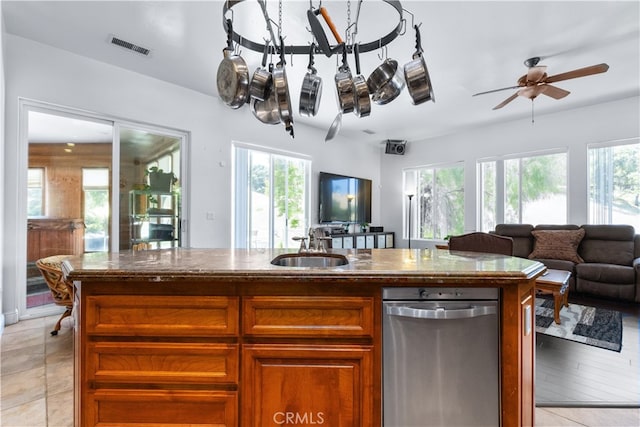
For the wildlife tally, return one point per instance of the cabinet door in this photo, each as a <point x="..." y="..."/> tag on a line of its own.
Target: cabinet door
<point x="389" y="240"/>
<point x="360" y="242"/>
<point x="347" y="242"/>
<point x="307" y="385"/>
<point x="369" y="241"/>
<point x="382" y="241"/>
<point x="336" y="242"/>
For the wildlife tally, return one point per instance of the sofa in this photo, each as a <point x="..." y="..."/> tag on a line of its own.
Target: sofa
<point x="604" y="260"/>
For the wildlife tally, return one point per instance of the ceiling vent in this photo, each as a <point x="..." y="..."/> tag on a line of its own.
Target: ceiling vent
<point x="130" y="46"/>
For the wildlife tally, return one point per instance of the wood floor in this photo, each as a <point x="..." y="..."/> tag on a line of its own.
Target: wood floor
<point x="574" y="374"/>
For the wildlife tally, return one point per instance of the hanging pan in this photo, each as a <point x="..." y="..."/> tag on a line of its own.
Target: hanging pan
<point x="281" y="88"/>
<point x="311" y="89"/>
<point x="344" y="86"/>
<point x="417" y="76"/>
<point x="260" y="86"/>
<point x="233" y="75"/>
<point x="362" y="96"/>
<point x="267" y="111"/>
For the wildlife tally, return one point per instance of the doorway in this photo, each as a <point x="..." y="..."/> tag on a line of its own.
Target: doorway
<point x="83" y="170"/>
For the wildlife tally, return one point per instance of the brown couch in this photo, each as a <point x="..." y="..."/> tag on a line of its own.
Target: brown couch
<point x="607" y="262"/>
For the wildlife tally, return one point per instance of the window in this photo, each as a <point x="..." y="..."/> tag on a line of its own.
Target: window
<point x="35" y="192"/>
<point x="614" y="184"/>
<point x="438" y="205"/>
<point x="523" y="190"/>
<point x="95" y="188"/>
<point x="271" y="199"/>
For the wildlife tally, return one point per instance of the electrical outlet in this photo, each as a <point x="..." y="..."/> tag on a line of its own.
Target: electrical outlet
<point x="211" y="216"/>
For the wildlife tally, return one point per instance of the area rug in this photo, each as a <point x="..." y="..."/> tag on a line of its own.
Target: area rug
<point x="588" y="325"/>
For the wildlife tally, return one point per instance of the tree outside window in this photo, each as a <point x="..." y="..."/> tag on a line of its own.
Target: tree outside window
<point x="439" y="201"/>
<point x="271" y="199"/>
<point x="523" y="190"/>
<point x="614" y="184"/>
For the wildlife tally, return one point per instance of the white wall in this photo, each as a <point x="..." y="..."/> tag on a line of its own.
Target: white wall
<point x="571" y="130"/>
<point x="2" y="145"/>
<point x="39" y="72"/>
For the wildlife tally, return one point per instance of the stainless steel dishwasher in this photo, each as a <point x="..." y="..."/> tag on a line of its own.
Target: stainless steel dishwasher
<point x="441" y="357"/>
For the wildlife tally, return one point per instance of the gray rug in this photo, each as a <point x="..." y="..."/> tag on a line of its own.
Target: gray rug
<point x="587" y="325"/>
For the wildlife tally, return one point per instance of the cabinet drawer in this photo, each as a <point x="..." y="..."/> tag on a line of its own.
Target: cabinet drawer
<point x="136" y="408"/>
<point x="169" y="315"/>
<point x="135" y="362"/>
<point x="308" y="316"/>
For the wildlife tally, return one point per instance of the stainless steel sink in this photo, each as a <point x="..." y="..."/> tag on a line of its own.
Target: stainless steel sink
<point x="320" y="260"/>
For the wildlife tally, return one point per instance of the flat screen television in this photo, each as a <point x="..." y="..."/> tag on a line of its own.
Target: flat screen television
<point x="344" y="199"/>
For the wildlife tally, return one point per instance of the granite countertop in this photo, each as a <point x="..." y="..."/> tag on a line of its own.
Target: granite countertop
<point x="239" y="264"/>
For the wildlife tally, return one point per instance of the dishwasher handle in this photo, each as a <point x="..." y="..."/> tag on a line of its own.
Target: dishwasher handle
<point x="441" y="312"/>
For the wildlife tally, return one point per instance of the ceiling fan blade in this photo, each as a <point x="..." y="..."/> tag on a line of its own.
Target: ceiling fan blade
<point x="554" y="92"/>
<point x="580" y="72"/>
<point x="495" y="90"/>
<point x="506" y="101"/>
<point x="536" y="74"/>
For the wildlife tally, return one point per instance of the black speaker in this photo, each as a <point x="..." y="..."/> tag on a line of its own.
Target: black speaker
<point x="395" y="147"/>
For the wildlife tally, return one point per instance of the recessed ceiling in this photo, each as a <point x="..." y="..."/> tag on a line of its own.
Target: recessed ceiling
<point x="469" y="47"/>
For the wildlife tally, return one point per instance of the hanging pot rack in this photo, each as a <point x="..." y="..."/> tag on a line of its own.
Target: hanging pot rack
<point x="363" y="47"/>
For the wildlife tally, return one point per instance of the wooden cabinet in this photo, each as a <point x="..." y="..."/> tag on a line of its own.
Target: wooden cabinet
<point x="47" y="237"/>
<point x="184" y="359"/>
<point x="170" y="360"/>
<point x="307" y="381"/>
<point x="307" y="385"/>
<point x="184" y="343"/>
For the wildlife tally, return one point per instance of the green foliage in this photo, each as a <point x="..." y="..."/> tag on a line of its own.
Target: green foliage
<point x="259" y="178"/>
<point x="288" y="191"/>
<point x="441" y="202"/>
<point x="532" y="178"/>
<point x="96" y="217"/>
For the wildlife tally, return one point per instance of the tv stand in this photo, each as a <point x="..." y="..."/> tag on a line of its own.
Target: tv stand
<point x="382" y="240"/>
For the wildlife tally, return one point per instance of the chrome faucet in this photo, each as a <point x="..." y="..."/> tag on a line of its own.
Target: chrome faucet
<point x="316" y="240"/>
<point x="303" y="245"/>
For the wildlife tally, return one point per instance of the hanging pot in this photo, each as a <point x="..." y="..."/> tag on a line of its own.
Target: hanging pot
<point x="417" y="76"/>
<point x="362" y="96"/>
<point x="344" y="86"/>
<point x="281" y="88"/>
<point x="385" y="82"/>
<point x="233" y="75"/>
<point x="260" y="86"/>
<point x="311" y="89"/>
<point x="267" y="111"/>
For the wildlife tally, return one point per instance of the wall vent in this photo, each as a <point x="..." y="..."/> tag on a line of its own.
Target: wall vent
<point x="128" y="45"/>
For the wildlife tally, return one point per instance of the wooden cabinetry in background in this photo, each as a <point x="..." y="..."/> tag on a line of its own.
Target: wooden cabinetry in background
<point x="46" y="237"/>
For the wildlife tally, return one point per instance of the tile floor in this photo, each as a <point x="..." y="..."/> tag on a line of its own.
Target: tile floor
<point x="37" y="383"/>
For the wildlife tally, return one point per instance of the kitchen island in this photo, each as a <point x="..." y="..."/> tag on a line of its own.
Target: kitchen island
<point x="217" y="337"/>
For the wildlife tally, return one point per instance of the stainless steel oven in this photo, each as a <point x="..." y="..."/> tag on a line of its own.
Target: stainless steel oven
<point x="441" y="357"/>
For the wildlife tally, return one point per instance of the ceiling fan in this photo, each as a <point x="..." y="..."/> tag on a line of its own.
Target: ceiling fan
<point x="536" y="81"/>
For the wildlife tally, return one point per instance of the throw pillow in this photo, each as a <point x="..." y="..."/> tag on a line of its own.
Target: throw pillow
<point x="557" y="244"/>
